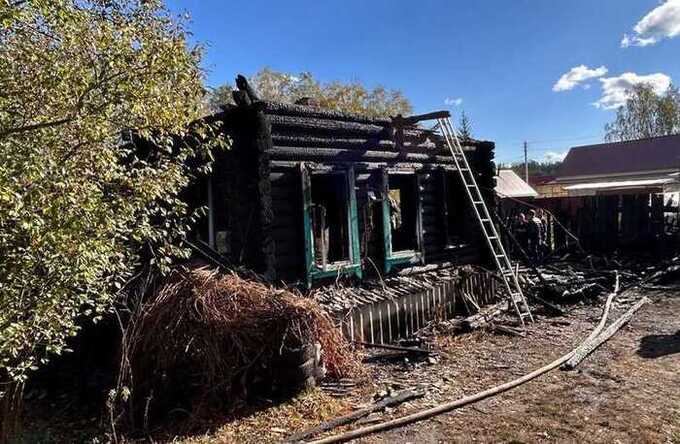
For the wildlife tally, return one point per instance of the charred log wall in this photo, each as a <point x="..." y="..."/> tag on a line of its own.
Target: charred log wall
<point x="251" y="216"/>
<point x="287" y="227"/>
<point x="326" y="138"/>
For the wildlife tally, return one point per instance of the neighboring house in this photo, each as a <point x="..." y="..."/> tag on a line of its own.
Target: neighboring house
<point x="310" y="197"/>
<point x="509" y="184"/>
<point x="622" y="194"/>
<point x="546" y="187"/>
<point x="512" y="191"/>
<point x="643" y="165"/>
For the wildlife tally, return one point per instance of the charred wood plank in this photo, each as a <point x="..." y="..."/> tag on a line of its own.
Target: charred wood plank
<point x="326" y="126"/>
<point x="412" y="120"/>
<point x="365" y="166"/>
<point x="287" y="109"/>
<point x="486" y="315"/>
<point x="345" y="155"/>
<point x="296" y="139"/>
<point x="413" y="350"/>
<point x="402" y="397"/>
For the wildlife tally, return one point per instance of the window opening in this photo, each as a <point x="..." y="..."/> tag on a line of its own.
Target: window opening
<point x="330" y="222"/>
<point x="403" y="200"/>
<point x="456" y="209"/>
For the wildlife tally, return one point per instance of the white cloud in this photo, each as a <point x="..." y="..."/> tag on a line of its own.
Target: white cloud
<point x="660" y="23"/>
<point x="576" y="75"/>
<point x="453" y="101"/>
<point x="615" y="90"/>
<point x="554" y="156"/>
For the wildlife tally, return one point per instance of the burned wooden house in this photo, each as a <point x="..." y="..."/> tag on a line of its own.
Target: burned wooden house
<point x="310" y="197"/>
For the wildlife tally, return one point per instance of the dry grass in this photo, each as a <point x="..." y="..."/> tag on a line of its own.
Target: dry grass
<point x="275" y="423"/>
<point x="207" y="339"/>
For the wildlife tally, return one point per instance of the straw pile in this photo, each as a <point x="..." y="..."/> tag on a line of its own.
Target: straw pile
<point x="206" y="337"/>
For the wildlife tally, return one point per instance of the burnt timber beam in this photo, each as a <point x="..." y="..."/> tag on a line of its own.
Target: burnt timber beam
<point x="326" y="125"/>
<point x="399" y="120"/>
<point x="286" y="109"/>
<point x="304" y="141"/>
<point x="412" y="138"/>
<point x="253" y="202"/>
<point x="346" y="155"/>
<point x="285" y="165"/>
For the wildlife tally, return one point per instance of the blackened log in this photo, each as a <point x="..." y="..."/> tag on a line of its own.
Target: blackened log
<point x="486" y="315"/>
<point x="412" y="350"/>
<point x="251" y="215"/>
<point x="344" y="155"/>
<point x="243" y="85"/>
<point x="286" y="109"/>
<point x="326" y="125"/>
<point x="412" y="120"/>
<point x="404" y="396"/>
<point x="416" y="141"/>
<point x="296" y="139"/>
<point x="358" y="166"/>
<point x="241" y="98"/>
<point x="413" y="144"/>
<point x="291" y="125"/>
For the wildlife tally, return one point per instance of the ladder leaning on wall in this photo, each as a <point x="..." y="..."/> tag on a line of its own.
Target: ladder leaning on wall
<point x="489" y="230"/>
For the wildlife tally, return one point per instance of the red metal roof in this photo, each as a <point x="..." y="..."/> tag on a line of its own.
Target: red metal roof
<point x="657" y="153"/>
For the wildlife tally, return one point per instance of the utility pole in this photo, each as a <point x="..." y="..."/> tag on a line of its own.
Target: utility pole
<point x="526" y="164"/>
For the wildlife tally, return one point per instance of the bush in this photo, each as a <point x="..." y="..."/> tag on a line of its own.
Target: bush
<point x="80" y="205"/>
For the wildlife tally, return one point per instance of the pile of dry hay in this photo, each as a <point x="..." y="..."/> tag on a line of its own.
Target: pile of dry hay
<point x="205" y="337"/>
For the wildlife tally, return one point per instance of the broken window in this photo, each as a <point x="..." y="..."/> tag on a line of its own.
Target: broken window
<point x="401" y="214"/>
<point x="402" y="195"/>
<point x="330" y="222"/>
<point x="199" y="196"/>
<point x="330" y="217"/>
<point x="456" y="208"/>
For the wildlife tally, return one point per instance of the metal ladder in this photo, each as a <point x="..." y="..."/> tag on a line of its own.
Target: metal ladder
<point x="481" y="211"/>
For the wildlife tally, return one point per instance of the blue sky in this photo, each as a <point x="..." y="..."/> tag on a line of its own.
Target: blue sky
<point x="501" y="60"/>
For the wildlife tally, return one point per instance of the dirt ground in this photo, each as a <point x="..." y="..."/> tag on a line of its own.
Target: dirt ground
<point x="627" y="391"/>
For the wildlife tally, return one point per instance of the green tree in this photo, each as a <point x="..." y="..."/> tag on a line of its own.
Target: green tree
<point x="465" y="126"/>
<point x="536" y="168"/>
<point x="352" y="97"/>
<point x="646" y="114"/>
<point x="79" y="204"/>
<point x="218" y="97"/>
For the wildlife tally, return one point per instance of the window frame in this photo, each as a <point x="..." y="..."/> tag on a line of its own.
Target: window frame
<point x="351" y="267"/>
<point x="414" y="256"/>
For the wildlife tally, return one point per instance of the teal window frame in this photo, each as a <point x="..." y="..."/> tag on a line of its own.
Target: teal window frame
<point x="345" y="268"/>
<point x="395" y="258"/>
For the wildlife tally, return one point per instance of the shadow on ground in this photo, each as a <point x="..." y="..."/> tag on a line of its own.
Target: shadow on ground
<point x="656" y="346"/>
